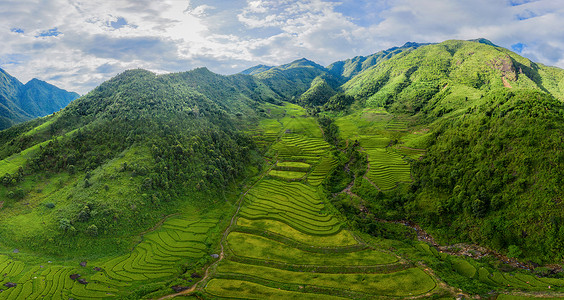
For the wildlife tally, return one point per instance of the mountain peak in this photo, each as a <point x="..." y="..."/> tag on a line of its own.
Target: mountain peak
<point x="256" y="69"/>
<point x="483" y="41"/>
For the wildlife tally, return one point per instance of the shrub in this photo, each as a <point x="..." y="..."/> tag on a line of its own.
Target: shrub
<point x="92" y="230"/>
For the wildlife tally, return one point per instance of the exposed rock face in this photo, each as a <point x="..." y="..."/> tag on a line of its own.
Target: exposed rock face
<point x="506" y="66"/>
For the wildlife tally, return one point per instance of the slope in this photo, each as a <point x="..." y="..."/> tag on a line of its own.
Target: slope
<point x="138" y="140"/>
<point x="349" y="68"/>
<point x="493" y="123"/>
<point x="291" y="80"/>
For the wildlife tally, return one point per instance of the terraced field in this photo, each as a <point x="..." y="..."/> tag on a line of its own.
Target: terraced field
<point x="387" y="168"/>
<point x="160" y="253"/>
<point x="159" y="256"/>
<point x="295" y="204"/>
<point x="268" y="131"/>
<point x="323" y="168"/>
<point x="396" y="124"/>
<point x="375" y="131"/>
<point x="293" y="166"/>
<point x="287" y="175"/>
<point x="294" y="147"/>
<point x="287" y="243"/>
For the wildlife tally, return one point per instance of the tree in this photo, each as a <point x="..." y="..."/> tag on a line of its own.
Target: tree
<point x="64" y="224"/>
<point x="92" y="230"/>
<point x="514" y="251"/>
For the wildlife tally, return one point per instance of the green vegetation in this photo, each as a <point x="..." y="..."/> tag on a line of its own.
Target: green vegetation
<point x="291" y="182"/>
<point x="342" y="238"/>
<point x="289" y="175"/>
<point x="260" y="248"/>
<point x="403" y="283"/>
<point x="245" y="289"/>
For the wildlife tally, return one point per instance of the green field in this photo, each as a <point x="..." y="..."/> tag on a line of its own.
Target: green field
<point x="248" y="290"/>
<point x="402" y="283"/>
<point x="292" y="166"/>
<point x="342" y="238"/>
<point x="261" y="248"/>
<point x="287" y="175"/>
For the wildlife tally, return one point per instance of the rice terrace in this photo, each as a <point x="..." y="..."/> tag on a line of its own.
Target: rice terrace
<point x="428" y="170"/>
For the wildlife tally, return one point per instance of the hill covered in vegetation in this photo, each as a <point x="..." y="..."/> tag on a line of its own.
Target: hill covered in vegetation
<point x="494" y="121"/>
<point x="21" y="102"/>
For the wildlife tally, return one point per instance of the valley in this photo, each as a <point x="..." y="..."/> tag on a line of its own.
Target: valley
<point x="291" y="182"/>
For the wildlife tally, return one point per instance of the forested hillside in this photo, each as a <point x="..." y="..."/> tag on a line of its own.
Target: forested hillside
<point x="174" y="135"/>
<point x="494" y="142"/>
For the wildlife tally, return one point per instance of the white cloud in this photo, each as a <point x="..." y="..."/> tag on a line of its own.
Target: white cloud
<point x="78" y="44"/>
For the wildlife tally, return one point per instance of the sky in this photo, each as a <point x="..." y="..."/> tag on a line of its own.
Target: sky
<point x="78" y="44"/>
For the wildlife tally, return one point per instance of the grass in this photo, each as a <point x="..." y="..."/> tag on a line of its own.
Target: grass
<point x="408" y="282"/>
<point x="464" y="268"/>
<point x="261" y="248"/>
<point x="342" y="238"/>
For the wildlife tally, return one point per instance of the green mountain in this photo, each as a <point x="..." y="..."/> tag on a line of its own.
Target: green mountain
<point x="349" y="68"/>
<point x="256" y="69"/>
<point x="376" y="177"/>
<point x="318" y="93"/>
<point x="19" y="102"/>
<point x="10" y="113"/>
<point x="490" y="171"/>
<point x="174" y="135"/>
<point x="291" y="80"/>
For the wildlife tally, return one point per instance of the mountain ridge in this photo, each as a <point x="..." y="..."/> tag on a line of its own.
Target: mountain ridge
<point x="21" y="102"/>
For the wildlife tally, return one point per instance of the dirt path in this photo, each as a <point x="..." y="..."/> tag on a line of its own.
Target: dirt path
<point x="223" y="238"/>
<point x="505" y="83"/>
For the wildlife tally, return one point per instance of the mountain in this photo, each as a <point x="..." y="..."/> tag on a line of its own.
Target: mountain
<point x="177" y="136"/>
<point x="10" y="113"/>
<point x="318" y="93"/>
<point x="291" y="80"/>
<point x="256" y="69"/>
<point x="351" y="67"/>
<point x="19" y="102"/>
<point x="494" y="122"/>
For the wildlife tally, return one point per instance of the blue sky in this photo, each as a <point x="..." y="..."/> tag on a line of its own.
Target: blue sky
<point x="79" y="44"/>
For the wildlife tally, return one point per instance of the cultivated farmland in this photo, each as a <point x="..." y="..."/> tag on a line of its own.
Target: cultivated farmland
<point x="288" y="242"/>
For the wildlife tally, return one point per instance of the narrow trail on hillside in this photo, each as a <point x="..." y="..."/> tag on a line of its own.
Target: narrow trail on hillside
<point x="221" y="243"/>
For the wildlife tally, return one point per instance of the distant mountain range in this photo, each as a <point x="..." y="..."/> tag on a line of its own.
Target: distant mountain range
<point x="21" y="102"/>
